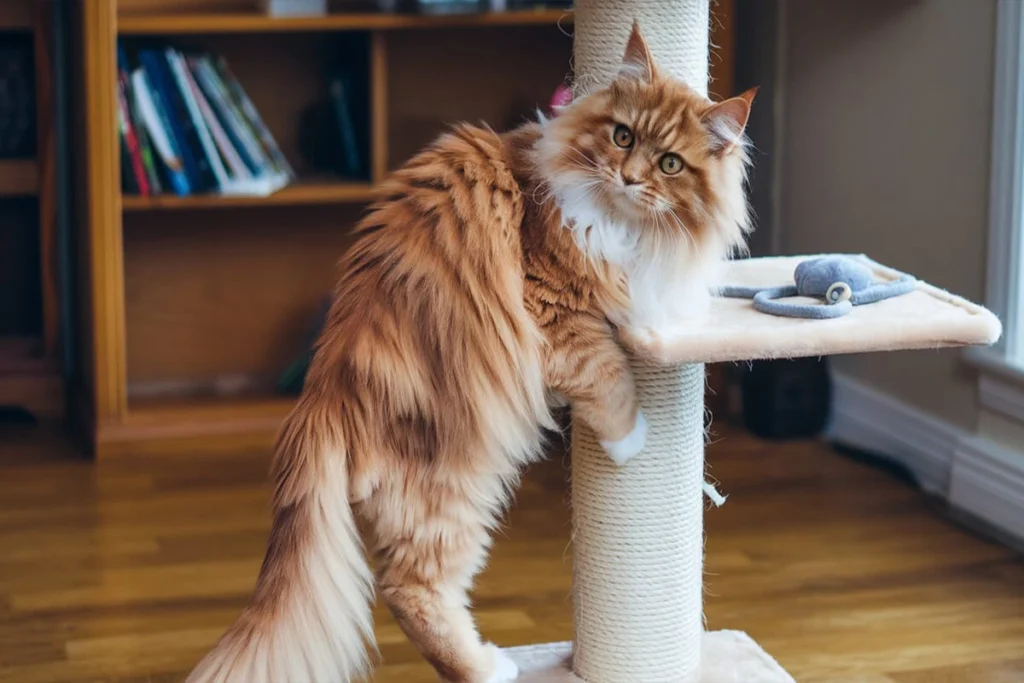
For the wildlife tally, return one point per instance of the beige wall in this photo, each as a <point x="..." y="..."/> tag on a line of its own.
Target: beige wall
<point x="885" y="150"/>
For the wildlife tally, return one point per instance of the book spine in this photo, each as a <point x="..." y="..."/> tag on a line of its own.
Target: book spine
<point x="234" y="127"/>
<point x="146" y="147"/>
<point x="129" y="181"/>
<point x="134" y="155"/>
<point x="208" y="150"/>
<point x="346" y="128"/>
<point x="234" y="162"/>
<point x="150" y="110"/>
<point x="159" y="78"/>
<point x="246" y="106"/>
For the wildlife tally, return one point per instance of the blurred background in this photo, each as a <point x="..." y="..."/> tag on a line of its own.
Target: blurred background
<point x="178" y="180"/>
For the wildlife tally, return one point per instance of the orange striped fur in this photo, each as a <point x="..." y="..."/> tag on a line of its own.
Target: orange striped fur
<point x="471" y="300"/>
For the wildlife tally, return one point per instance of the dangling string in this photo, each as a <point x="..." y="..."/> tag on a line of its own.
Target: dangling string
<point x="711" y="492"/>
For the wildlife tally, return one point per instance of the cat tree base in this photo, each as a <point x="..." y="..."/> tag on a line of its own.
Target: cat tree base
<point x="726" y="657"/>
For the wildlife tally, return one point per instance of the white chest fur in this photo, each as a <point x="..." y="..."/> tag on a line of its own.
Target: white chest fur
<point x="670" y="279"/>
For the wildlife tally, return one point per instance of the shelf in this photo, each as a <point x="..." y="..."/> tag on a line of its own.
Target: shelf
<point x="163" y="24"/>
<point x="23" y="356"/>
<point x="15" y="15"/>
<point x="19" y="177"/>
<point x="207" y="409"/>
<point x="198" y="424"/>
<point x="28" y="379"/>
<point x="306" y="192"/>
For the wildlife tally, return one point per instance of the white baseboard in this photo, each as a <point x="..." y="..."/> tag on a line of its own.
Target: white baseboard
<point x="974" y="474"/>
<point x="873" y="421"/>
<point x="987" y="481"/>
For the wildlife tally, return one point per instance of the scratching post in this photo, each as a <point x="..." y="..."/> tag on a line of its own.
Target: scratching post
<point x="638" y="529"/>
<point x="676" y="31"/>
<point x="638" y="541"/>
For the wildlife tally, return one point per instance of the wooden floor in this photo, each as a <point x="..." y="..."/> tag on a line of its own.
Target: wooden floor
<point x="126" y="572"/>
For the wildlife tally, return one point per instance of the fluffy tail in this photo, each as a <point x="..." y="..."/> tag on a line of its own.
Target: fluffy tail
<point x="309" y="618"/>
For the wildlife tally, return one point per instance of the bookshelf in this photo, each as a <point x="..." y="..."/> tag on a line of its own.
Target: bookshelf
<point x="307" y="191"/>
<point x="30" y="376"/>
<point x="198" y="303"/>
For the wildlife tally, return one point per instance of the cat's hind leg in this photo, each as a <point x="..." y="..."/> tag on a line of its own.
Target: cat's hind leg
<point x="424" y="573"/>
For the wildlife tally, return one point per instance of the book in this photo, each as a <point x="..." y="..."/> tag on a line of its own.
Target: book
<point x="341" y="106"/>
<point x="185" y="129"/>
<point x="234" y="125"/>
<point x="132" y="155"/>
<point x="208" y="151"/>
<point x="249" y="110"/>
<point x="232" y="160"/>
<point x="266" y="177"/>
<point x="129" y="182"/>
<point x="179" y="125"/>
<point x="149" y="164"/>
<point x="150" y="111"/>
<point x="146" y="148"/>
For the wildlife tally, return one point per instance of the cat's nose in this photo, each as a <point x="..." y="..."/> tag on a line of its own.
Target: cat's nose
<point x="629" y="180"/>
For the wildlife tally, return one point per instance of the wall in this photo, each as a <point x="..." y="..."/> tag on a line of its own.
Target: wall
<point x="885" y="150"/>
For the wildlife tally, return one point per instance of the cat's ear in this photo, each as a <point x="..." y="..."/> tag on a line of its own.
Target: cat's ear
<point x="637" y="63"/>
<point x="727" y="120"/>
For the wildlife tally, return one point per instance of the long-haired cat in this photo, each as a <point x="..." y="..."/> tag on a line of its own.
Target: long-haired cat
<point x="492" y="275"/>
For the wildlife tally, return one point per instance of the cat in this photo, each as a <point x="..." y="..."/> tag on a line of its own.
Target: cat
<point x="492" y="275"/>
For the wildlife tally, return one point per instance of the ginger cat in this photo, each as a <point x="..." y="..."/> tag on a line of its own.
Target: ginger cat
<point x="492" y="275"/>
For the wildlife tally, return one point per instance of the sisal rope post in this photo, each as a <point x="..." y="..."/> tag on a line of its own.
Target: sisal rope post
<point x="638" y="530"/>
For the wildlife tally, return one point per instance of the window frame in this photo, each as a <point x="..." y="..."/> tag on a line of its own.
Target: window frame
<point x="1006" y="198"/>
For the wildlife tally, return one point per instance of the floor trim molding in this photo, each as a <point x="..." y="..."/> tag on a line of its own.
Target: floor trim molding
<point x="975" y="475"/>
<point x="870" y="420"/>
<point x="987" y="482"/>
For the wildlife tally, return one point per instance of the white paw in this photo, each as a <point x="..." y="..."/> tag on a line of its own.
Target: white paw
<point x="623" y="450"/>
<point x="505" y="669"/>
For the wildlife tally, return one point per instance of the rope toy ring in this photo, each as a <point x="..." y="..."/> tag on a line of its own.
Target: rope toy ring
<point x="838" y="292"/>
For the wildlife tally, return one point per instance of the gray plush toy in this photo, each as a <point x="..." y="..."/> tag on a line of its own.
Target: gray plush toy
<point x="839" y="280"/>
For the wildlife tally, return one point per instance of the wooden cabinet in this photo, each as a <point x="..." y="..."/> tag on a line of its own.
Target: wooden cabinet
<point x="30" y="375"/>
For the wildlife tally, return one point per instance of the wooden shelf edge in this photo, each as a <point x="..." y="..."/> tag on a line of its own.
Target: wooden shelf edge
<point x="160" y="24"/>
<point x="301" y="193"/>
<point x="182" y="428"/>
<point x="19" y="177"/>
<point x="41" y="395"/>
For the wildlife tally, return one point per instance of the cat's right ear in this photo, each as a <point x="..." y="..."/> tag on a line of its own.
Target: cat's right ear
<point x="637" y="64"/>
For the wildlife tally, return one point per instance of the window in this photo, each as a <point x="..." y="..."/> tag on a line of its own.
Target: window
<point x="1005" y="273"/>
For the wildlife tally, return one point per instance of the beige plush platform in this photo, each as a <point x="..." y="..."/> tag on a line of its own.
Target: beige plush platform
<point x="728" y="657"/>
<point x="734" y="331"/>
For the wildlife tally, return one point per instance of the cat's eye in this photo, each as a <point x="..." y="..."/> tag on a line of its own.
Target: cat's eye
<point x="622" y="136"/>
<point x="671" y="164"/>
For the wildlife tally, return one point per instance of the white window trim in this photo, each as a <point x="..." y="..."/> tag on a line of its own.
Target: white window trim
<point x="1006" y="200"/>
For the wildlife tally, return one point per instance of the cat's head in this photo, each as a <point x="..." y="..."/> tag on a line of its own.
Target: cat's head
<point x="653" y="153"/>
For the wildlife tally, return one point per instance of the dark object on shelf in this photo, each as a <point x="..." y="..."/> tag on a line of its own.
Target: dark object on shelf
<point x="786" y="399"/>
<point x="294" y="377"/>
<point x="17" y="97"/>
<point x="334" y="132"/>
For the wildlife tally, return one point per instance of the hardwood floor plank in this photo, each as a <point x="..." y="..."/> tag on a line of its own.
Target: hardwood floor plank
<point x="129" y="570"/>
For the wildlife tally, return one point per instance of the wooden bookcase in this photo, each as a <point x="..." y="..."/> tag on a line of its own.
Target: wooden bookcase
<point x="195" y="305"/>
<point x="30" y="375"/>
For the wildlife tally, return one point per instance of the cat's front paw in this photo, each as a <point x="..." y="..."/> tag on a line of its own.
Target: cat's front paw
<point x="505" y="670"/>
<point x="623" y="450"/>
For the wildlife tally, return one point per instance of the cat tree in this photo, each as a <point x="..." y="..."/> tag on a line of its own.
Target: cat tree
<point x="638" y="529"/>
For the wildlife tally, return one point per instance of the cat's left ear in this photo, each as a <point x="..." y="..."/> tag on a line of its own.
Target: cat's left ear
<point x="727" y="120"/>
<point x="637" y="63"/>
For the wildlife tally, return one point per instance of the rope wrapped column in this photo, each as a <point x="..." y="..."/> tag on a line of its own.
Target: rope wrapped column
<point x="638" y="540"/>
<point x="638" y="529"/>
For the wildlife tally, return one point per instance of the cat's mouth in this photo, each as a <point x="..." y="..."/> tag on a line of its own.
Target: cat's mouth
<point x="629" y="200"/>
